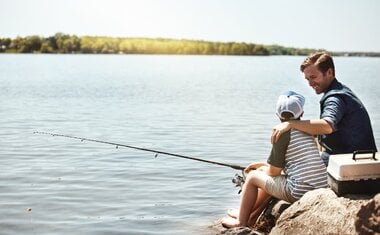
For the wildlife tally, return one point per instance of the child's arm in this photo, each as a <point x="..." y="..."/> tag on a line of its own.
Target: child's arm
<point x="270" y="170"/>
<point x="254" y="166"/>
<point x="273" y="170"/>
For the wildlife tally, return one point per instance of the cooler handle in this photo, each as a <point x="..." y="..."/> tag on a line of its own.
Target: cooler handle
<point x="365" y="151"/>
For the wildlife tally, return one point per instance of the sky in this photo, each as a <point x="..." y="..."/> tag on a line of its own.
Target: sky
<point x="334" y="25"/>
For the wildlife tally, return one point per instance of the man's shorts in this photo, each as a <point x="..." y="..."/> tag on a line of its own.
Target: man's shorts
<point x="276" y="186"/>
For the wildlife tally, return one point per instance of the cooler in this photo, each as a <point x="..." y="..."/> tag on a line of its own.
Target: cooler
<point x="357" y="173"/>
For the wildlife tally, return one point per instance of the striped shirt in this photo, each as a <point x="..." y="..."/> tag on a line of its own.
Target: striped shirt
<point x="297" y="154"/>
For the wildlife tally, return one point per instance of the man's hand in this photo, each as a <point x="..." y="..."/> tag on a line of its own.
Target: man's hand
<point x="278" y="130"/>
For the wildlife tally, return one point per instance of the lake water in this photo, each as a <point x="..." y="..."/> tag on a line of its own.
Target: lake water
<point x="219" y="108"/>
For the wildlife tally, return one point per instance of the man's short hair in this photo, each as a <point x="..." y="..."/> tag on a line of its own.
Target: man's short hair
<point x="322" y="60"/>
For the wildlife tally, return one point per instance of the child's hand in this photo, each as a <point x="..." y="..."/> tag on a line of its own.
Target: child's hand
<point x="253" y="166"/>
<point x="249" y="168"/>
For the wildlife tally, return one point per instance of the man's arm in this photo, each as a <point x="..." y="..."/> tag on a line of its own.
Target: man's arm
<point x="311" y="127"/>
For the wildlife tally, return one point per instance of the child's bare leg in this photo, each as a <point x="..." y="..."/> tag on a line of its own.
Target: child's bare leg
<point x="264" y="201"/>
<point x="250" y="190"/>
<point x="248" y="201"/>
<point x="249" y="194"/>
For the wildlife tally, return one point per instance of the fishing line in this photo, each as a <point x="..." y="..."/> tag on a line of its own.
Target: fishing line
<point x="157" y="152"/>
<point x="237" y="180"/>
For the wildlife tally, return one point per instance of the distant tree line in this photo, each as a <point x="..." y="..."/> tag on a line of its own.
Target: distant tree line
<point x="64" y="43"/>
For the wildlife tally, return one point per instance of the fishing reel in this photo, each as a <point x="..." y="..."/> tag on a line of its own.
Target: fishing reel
<point x="239" y="180"/>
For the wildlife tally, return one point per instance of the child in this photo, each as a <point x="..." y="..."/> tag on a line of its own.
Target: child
<point x="295" y="154"/>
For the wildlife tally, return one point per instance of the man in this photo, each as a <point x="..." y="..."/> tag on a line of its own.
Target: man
<point x="295" y="154"/>
<point x="344" y="125"/>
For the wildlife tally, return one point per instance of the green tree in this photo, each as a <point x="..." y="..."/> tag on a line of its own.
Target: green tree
<point x="4" y="44"/>
<point x="71" y="44"/>
<point x="46" y="47"/>
<point x="63" y="43"/>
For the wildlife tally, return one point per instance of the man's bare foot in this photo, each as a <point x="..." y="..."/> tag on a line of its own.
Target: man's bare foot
<point x="234" y="213"/>
<point x="229" y="222"/>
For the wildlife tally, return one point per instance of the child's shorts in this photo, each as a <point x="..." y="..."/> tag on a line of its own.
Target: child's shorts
<point x="276" y="186"/>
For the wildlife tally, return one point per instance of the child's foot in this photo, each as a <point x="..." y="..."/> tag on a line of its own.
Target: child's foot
<point x="229" y="222"/>
<point x="234" y="213"/>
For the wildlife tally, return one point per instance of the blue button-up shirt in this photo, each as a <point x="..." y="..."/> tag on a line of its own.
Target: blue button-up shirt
<point x="349" y="120"/>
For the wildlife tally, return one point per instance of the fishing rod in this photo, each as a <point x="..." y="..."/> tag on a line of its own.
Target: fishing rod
<point x="157" y="152"/>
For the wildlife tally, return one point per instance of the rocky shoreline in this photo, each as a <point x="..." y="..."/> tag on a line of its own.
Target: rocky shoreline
<point x="319" y="211"/>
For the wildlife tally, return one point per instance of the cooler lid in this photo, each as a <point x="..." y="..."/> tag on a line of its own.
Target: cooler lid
<point x="360" y="165"/>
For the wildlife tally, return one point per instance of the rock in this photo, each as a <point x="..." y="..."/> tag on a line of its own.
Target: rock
<point x="368" y="217"/>
<point x="268" y="218"/>
<point x="264" y="224"/>
<point x="218" y="229"/>
<point x="321" y="211"/>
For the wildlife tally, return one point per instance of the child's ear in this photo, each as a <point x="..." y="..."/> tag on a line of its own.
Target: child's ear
<point x="301" y="114"/>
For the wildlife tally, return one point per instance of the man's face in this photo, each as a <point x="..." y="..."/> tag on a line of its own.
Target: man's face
<point x="317" y="80"/>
